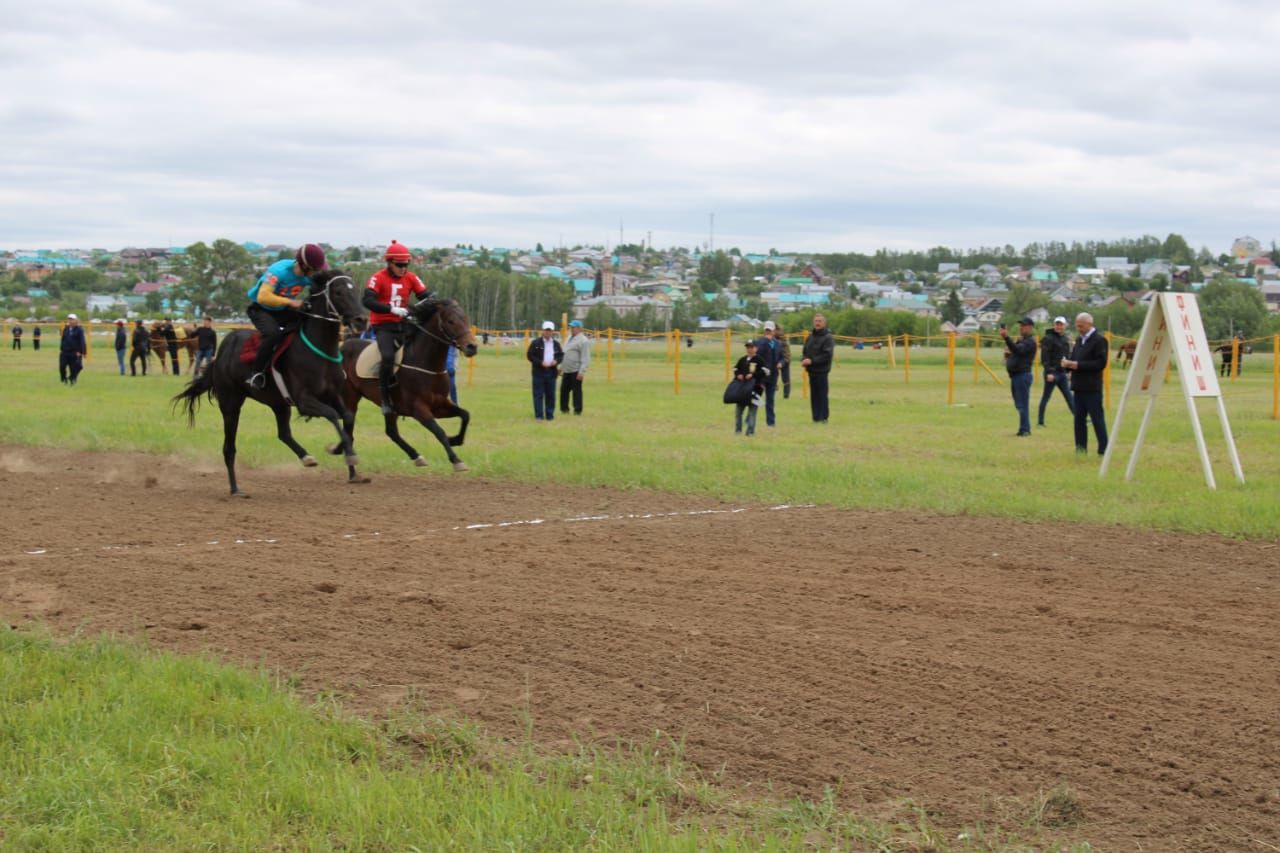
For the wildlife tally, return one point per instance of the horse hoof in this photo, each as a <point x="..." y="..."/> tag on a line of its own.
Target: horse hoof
<point x="239" y="495"/>
<point x="420" y="462"/>
<point x="359" y="480"/>
<point x="333" y="449"/>
<point x="460" y="466"/>
<point x="309" y="461"/>
<point x="353" y="460"/>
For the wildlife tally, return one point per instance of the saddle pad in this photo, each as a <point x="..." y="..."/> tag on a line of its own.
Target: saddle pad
<point x="369" y="362"/>
<point x="249" y="351"/>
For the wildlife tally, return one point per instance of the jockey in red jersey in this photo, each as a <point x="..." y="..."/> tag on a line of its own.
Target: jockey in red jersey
<point x="387" y="298"/>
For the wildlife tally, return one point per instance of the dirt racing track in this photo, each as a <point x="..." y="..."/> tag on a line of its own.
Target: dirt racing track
<point x="965" y="664"/>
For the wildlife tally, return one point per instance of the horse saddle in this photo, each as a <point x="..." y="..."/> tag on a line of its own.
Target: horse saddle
<point x="369" y="362"/>
<point x="250" y="349"/>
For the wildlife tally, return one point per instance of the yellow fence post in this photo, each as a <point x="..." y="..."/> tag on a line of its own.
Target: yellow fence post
<point x="893" y="362"/>
<point x="728" y="354"/>
<point x="951" y="368"/>
<point x="1235" y="358"/>
<point x="675" y="336"/>
<point x="609" y="356"/>
<point x="977" y="355"/>
<point x="906" y="357"/>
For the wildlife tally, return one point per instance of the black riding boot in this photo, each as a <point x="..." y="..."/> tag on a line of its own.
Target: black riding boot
<point x="387" y="381"/>
<point x="258" y="378"/>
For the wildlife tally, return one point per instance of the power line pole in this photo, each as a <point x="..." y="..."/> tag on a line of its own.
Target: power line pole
<point x="711" y="241"/>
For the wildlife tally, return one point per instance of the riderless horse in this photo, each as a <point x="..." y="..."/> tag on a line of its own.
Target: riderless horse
<point x="186" y="340"/>
<point x="1124" y="353"/>
<point x="422" y="392"/>
<point x="307" y="374"/>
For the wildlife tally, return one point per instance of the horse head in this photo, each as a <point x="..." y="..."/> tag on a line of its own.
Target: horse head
<point x="334" y="293"/>
<point x="450" y="322"/>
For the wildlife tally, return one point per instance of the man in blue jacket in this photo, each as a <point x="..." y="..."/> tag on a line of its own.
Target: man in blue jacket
<point x="769" y="351"/>
<point x="71" y="355"/>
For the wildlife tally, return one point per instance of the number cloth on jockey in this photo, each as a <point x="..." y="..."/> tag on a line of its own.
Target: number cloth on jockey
<point x="393" y="291"/>
<point x="277" y="284"/>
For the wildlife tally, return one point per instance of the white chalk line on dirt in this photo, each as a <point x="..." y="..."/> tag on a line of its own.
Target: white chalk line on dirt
<point x="488" y="525"/>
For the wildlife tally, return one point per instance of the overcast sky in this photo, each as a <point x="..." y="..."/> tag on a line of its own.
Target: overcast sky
<point x="822" y="126"/>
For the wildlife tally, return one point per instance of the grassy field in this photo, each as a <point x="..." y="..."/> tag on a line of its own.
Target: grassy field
<point x="890" y="444"/>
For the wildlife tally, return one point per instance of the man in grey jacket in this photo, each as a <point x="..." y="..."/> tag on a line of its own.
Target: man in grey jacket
<point x="577" y="356"/>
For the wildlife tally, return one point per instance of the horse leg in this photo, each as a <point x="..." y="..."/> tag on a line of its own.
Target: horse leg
<point x="350" y="402"/>
<point x="435" y="429"/>
<point x="312" y="407"/>
<point x="284" y="432"/>
<point x="393" y="433"/>
<point x="230" y="424"/>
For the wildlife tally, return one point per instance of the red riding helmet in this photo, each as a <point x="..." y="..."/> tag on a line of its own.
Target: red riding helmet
<point x="311" y="258"/>
<point x="397" y="252"/>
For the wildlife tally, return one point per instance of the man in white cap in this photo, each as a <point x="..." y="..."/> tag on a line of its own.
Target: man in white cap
<point x="769" y="351"/>
<point x="1055" y="345"/>
<point x="71" y="354"/>
<point x="545" y="355"/>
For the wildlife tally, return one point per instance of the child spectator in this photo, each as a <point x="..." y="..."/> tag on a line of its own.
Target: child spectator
<point x="749" y="367"/>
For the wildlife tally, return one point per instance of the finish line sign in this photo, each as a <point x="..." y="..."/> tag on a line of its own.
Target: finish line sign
<point x="1173" y="330"/>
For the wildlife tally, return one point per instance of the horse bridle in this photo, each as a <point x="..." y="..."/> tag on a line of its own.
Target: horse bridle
<point x="334" y="316"/>
<point x="453" y="342"/>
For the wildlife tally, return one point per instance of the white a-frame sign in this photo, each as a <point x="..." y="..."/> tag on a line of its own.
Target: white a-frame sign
<point x="1173" y="330"/>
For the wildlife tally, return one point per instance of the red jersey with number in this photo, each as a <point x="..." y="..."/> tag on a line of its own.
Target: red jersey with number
<point x="393" y="291"/>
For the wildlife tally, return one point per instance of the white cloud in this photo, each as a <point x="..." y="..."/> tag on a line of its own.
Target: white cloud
<point x="814" y="125"/>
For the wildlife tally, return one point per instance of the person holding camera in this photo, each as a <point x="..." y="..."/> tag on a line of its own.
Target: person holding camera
<point x="1054" y="347"/>
<point x="1019" y="356"/>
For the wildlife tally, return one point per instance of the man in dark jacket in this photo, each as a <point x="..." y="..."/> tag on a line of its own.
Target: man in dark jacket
<point x="1019" y="356"/>
<point x="545" y="355"/>
<point x="71" y="354"/>
<point x="769" y="351"/>
<point x="819" y="349"/>
<point x="171" y="341"/>
<point x="1087" y="361"/>
<point x="122" y="343"/>
<point x="141" y="349"/>
<point x="1054" y="347"/>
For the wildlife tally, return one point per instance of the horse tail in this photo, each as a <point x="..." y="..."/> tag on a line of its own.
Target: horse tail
<point x="189" y="398"/>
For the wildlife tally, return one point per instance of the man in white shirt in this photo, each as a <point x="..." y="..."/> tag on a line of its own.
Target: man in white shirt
<point x="544" y="355"/>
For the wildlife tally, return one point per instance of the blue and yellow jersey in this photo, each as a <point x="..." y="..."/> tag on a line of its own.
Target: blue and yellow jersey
<point x="277" y="284"/>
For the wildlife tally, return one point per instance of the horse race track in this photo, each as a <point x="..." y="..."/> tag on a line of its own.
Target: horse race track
<point x="968" y="664"/>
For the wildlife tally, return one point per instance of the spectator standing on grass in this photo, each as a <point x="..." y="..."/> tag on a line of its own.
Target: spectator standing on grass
<point x="784" y="363"/>
<point x="1019" y="357"/>
<point x="544" y="355"/>
<point x="749" y="367"/>
<point x="121" y="344"/>
<point x="17" y="337"/>
<point x="577" y="357"/>
<point x="206" y="343"/>
<point x="769" y="351"/>
<point x="71" y="353"/>
<point x="171" y="343"/>
<point x="35" y="339"/>
<point x="1055" y="345"/>
<point x="141" y="349"/>
<point x="1087" y="361"/>
<point x="819" y="350"/>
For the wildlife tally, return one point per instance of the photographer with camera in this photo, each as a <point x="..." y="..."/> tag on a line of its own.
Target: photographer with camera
<point x="1019" y="356"/>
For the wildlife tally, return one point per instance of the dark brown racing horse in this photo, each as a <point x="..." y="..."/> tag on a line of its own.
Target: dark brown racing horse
<point x="311" y="368"/>
<point x="422" y="392"/>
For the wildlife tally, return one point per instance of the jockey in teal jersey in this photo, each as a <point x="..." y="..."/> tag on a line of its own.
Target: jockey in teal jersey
<point x="275" y="300"/>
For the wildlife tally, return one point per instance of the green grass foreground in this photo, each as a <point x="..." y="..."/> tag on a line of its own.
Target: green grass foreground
<point x="890" y="444"/>
<point x="107" y="746"/>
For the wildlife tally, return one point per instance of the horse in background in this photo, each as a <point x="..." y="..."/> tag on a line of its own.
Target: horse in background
<point x="422" y="392"/>
<point x="310" y="367"/>
<point x="186" y="341"/>
<point x="1124" y="353"/>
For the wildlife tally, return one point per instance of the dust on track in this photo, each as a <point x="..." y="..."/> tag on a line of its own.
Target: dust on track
<point x="964" y="663"/>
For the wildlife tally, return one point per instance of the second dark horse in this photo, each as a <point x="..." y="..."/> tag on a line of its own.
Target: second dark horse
<point x="422" y="391"/>
<point x="311" y="369"/>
